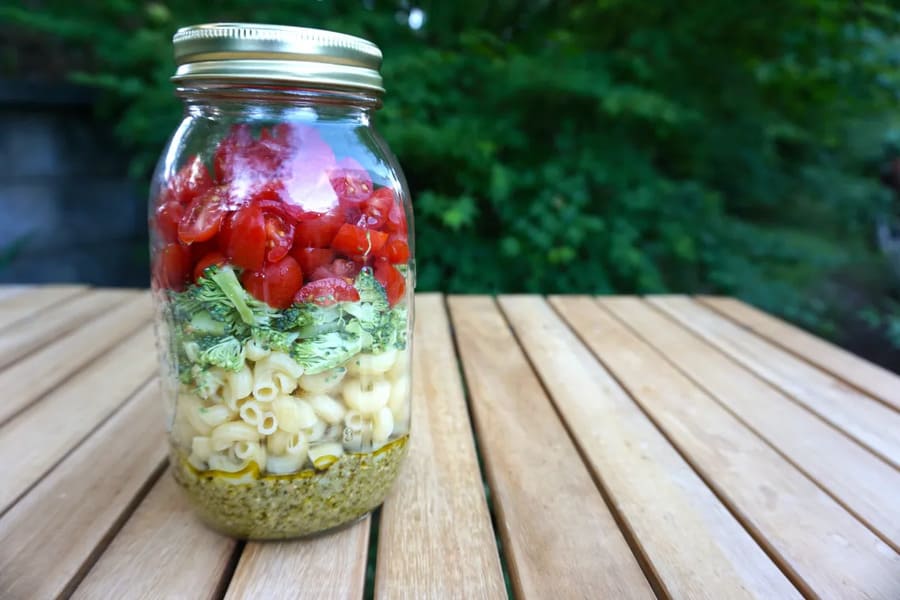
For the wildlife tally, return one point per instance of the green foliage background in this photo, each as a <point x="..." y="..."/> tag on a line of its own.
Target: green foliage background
<point x="604" y="146"/>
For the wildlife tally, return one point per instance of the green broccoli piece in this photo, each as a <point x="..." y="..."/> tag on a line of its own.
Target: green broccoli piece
<point x="326" y="351"/>
<point x="227" y="353"/>
<point x="252" y="311"/>
<point x="274" y="339"/>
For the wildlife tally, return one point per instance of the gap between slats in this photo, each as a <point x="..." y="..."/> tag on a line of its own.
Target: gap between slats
<point x="887" y="488"/>
<point x="19" y="308"/>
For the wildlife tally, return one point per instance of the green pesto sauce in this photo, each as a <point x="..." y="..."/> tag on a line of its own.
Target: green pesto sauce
<point x="247" y="505"/>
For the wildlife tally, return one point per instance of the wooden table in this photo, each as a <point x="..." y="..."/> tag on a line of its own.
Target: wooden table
<point x="629" y="448"/>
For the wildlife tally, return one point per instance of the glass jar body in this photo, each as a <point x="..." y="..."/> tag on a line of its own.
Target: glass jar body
<point x="282" y="270"/>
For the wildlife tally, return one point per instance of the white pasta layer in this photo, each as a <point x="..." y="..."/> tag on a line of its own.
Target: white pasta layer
<point x="270" y="414"/>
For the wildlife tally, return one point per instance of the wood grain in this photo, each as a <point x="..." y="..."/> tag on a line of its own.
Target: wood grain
<point x="163" y="551"/>
<point x="24" y="336"/>
<point x="435" y="537"/>
<point x="822" y="547"/>
<point x="868" y="421"/>
<point x="860" y="373"/>
<point x="695" y="546"/>
<point x="861" y="482"/>
<point x="27" y="380"/>
<point x="42" y="434"/>
<point x="49" y="538"/>
<point x="322" y="568"/>
<point x="33" y="300"/>
<point x="559" y="537"/>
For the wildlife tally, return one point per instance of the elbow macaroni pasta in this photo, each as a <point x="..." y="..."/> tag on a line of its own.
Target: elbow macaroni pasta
<point x="269" y="412"/>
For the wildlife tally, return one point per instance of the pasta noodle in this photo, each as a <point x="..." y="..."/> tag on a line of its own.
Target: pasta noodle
<point x="255" y="351"/>
<point x="366" y="401"/>
<point x="327" y="408"/>
<point x="401" y="365"/>
<point x="284" y="463"/>
<point x="382" y="426"/>
<point x="268" y="424"/>
<point x="315" y="433"/>
<point x="325" y="454"/>
<point x="264" y="388"/>
<point x="250" y="451"/>
<point x="293" y="414"/>
<point x="237" y="386"/>
<point x="220" y="462"/>
<point x="226" y="434"/>
<point x="324" y="382"/>
<point x="286" y="384"/>
<point x="251" y="412"/>
<point x="190" y="406"/>
<point x="372" y="364"/>
<point x="354" y="420"/>
<point x="215" y="414"/>
<point x="283" y="363"/>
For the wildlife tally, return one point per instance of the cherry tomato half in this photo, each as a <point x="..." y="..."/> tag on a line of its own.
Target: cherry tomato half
<point x="340" y="268"/>
<point x="191" y="180"/>
<point x="203" y="217"/>
<point x="326" y="292"/>
<point x="392" y="280"/>
<point x="377" y="208"/>
<point x="351" y="182"/>
<point x="354" y="240"/>
<point x="245" y="238"/>
<point x="168" y="216"/>
<point x="279" y="237"/>
<point x="173" y="263"/>
<point x="276" y="284"/>
<point x="396" y="251"/>
<point x="311" y="259"/>
<point x="318" y="232"/>
<point x="209" y="259"/>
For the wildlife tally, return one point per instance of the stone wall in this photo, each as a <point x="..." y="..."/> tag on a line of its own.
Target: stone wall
<point x="68" y="211"/>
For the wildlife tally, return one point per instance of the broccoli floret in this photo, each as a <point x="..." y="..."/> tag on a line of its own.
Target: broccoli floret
<point x="309" y="320"/>
<point x="226" y="352"/>
<point x="202" y="323"/>
<point x="252" y="311"/>
<point x="326" y="351"/>
<point x="274" y="339"/>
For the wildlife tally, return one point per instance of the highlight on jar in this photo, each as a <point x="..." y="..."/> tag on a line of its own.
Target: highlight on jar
<point x="284" y="326"/>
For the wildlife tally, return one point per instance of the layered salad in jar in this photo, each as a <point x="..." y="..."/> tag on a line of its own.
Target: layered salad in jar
<point x="283" y="279"/>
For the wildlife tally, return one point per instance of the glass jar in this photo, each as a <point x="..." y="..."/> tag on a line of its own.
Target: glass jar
<point x="282" y="269"/>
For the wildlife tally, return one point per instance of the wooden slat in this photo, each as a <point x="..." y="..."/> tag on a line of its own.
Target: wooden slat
<point x="822" y="547"/>
<point x="34" y="300"/>
<point x="24" y="336"/>
<point x="163" y="551"/>
<point x="868" y="421"/>
<point x="695" y="546"/>
<point x="861" y="482"/>
<point x="49" y="538"/>
<point x="321" y="568"/>
<point x="30" y="378"/>
<point x="435" y="537"/>
<point x="559" y="537"/>
<point x="870" y="378"/>
<point x="42" y="434"/>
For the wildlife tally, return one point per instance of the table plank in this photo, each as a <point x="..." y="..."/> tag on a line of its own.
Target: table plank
<point x="30" y="378"/>
<point x="34" y="300"/>
<point x="559" y="536"/>
<point x="25" y="336"/>
<point x="870" y="378"/>
<point x="50" y="537"/>
<point x="7" y="291"/>
<point x="864" y="484"/>
<point x="868" y="421"/>
<point x="325" y="567"/>
<point x="823" y="548"/>
<point x="41" y="435"/>
<point x="695" y="546"/>
<point x="435" y="537"/>
<point x="163" y="551"/>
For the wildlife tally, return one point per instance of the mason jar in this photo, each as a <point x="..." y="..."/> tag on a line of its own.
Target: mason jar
<point x="282" y="270"/>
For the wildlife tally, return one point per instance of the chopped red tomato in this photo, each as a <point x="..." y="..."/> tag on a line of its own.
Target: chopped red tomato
<point x="318" y="232"/>
<point x="351" y="182"/>
<point x="326" y="292"/>
<point x="354" y="240"/>
<point x="375" y="210"/>
<point x="203" y="217"/>
<point x="393" y="281"/>
<point x="173" y="263"/>
<point x="191" y="180"/>
<point x="396" y="221"/>
<point x="168" y="216"/>
<point x="245" y="238"/>
<point x="209" y="259"/>
<point x="276" y="284"/>
<point x="311" y="259"/>
<point x="227" y="158"/>
<point x="341" y="268"/>
<point x="396" y="251"/>
<point x="279" y="237"/>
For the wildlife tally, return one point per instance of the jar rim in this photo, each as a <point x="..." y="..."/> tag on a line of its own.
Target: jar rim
<point x="263" y="53"/>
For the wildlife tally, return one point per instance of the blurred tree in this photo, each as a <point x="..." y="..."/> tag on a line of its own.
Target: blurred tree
<point x="604" y="146"/>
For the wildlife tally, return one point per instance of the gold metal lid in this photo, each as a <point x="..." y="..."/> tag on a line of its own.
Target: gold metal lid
<point x="276" y="53"/>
